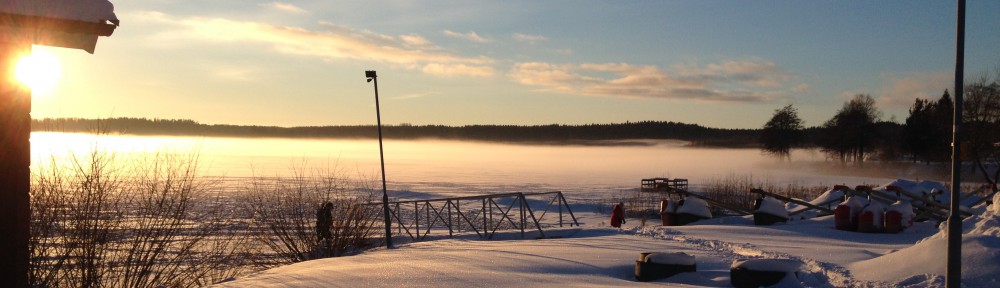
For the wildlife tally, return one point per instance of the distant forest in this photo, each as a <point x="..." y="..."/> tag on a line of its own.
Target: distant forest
<point x="697" y="135"/>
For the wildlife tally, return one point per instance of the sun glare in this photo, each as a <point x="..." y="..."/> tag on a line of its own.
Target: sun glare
<point x="39" y="71"/>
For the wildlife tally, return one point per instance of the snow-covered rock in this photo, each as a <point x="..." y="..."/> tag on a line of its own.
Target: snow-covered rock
<point x="673" y="258"/>
<point x="695" y="206"/>
<point x="82" y="10"/>
<point x="772" y="206"/>
<point x="777" y="265"/>
<point x="765" y="272"/>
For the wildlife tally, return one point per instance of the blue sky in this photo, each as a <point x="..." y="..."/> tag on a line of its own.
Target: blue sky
<point x="717" y="63"/>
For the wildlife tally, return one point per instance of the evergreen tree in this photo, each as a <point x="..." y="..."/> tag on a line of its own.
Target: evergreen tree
<point x="916" y="139"/>
<point x="942" y="114"/>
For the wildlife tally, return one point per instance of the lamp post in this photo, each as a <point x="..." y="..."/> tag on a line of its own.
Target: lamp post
<point x="953" y="273"/>
<point x="370" y="74"/>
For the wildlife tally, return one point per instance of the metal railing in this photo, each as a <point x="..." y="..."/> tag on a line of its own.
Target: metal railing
<point x="483" y="215"/>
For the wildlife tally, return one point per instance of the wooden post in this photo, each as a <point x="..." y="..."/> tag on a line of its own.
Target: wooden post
<point x="15" y="176"/>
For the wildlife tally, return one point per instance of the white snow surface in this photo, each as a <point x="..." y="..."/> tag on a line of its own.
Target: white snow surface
<point x="695" y="206"/>
<point x="597" y="255"/>
<point x="83" y="10"/>
<point x="772" y="206"/>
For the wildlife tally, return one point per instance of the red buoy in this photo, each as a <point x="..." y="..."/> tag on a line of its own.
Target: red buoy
<point x="843" y="218"/>
<point x="893" y="222"/>
<point x="617" y="216"/>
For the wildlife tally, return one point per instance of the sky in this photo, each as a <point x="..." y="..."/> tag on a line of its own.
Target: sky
<point x="725" y="64"/>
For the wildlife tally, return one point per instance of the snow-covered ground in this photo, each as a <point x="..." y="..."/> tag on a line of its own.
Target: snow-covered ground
<point x="597" y="255"/>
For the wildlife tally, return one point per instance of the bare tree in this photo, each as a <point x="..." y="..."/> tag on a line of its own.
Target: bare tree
<point x="284" y="218"/>
<point x="982" y="126"/>
<point x="102" y="221"/>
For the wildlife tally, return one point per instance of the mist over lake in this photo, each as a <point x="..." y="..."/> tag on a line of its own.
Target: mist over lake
<point x="447" y="166"/>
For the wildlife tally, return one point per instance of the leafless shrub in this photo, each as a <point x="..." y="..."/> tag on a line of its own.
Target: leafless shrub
<point x="734" y="190"/>
<point x="284" y="217"/>
<point x="98" y="221"/>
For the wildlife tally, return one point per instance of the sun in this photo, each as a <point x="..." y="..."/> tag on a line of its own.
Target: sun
<point x="40" y="71"/>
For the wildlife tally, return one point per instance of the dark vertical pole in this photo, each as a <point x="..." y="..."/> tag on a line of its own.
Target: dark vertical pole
<point x="953" y="277"/>
<point x="15" y="175"/>
<point x="381" y="155"/>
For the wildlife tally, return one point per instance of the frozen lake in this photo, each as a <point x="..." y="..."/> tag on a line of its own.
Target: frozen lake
<point x="447" y="167"/>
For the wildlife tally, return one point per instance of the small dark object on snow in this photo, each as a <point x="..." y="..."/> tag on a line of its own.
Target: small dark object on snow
<point x="648" y="271"/>
<point x="761" y="272"/>
<point x="763" y="219"/>
<point x="685" y="218"/>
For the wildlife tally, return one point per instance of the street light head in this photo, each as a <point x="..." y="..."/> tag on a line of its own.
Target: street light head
<point x="369" y="80"/>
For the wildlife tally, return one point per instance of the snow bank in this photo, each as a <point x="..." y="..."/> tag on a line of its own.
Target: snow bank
<point x="695" y="206"/>
<point x="772" y="206"/>
<point x="673" y="258"/>
<point x="980" y="251"/>
<point x="83" y="10"/>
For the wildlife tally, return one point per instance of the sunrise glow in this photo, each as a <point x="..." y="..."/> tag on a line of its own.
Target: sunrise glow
<point x="40" y="71"/>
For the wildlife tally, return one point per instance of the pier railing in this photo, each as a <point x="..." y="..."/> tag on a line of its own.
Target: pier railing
<point x="482" y="215"/>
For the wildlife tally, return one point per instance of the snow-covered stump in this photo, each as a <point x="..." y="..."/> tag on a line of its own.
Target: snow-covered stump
<point x="768" y="211"/>
<point x="654" y="265"/>
<point x="764" y="272"/>
<point x="692" y="209"/>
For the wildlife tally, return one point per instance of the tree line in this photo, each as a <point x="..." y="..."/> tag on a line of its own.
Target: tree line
<point x="697" y="134"/>
<point x="856" y="133"/>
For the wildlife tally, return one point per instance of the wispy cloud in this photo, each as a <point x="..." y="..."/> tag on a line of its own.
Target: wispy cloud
<point x="414" y="95"/>
<point x="286" y="7"/>
<point x="902" y="90"/>
<point x="335" y="42"/>
<point x="732" y="81"/>
<point x="471" y="36"/>
<point x="527" y="37"/>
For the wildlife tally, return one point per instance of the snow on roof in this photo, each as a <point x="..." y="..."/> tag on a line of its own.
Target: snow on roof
<point x="81" y="10"/>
